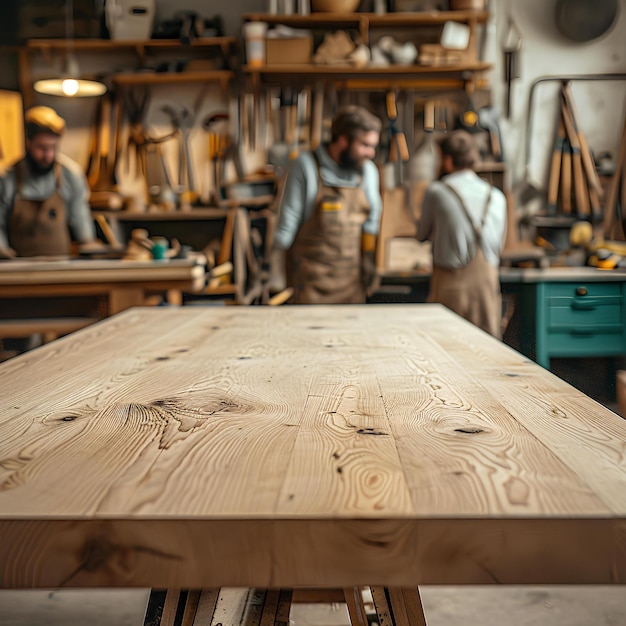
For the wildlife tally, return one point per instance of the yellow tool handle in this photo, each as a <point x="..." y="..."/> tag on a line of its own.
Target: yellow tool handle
<point x="429" y="115"/>
<point x="566" y="179"/>
<point x="580" y="185"/>
<point x="392" y="105"/>
<point x="281" y="297"/>
<point x="221" y="270"/>
<point x="107" y="231"/>
<point x="402" y="146"/>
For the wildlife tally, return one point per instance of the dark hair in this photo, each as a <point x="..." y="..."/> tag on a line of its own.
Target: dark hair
<point x="32" y="130"/>
<point x="460" y="145"/>
<point x="352" y="120"/>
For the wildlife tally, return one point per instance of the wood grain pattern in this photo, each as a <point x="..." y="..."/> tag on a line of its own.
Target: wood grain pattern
<point x="302" y="446"/>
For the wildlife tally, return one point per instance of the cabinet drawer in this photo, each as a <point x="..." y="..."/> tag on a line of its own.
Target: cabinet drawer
<point x="594" y="290"/>
<point x="582" y="343"/>
<point x="590" y="306"/>
<point x="592" y="313"/>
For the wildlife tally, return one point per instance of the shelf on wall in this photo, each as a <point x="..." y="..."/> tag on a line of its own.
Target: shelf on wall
<point x="347" y="70"/>
<point x="85" y="45"/>
<point x="322" y="20"/>
<point x="432" y="77"/>
<point x="164" y="78"/>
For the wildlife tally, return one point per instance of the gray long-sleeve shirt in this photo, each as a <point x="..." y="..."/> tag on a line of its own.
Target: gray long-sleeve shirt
<point x="445" y="223"/>
<point x="300" y="191"/>
<point x="74" y="191"/>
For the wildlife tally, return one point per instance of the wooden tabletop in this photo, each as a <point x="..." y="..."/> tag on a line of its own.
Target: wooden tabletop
<point x="314" y="446"/>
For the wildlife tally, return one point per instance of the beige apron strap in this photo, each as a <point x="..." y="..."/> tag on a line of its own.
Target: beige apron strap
<point x="478" y="230"/>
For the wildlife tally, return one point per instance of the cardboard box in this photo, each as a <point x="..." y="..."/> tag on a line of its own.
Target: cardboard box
<point x="288" y="50"/>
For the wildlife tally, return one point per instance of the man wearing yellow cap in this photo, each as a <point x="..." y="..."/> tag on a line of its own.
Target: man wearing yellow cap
<point x="43" y="198"/>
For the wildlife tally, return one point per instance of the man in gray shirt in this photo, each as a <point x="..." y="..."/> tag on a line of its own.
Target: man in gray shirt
<point x="329" y="213"/>
<point x="465" y="218"/>
<point x="43" y="198"/>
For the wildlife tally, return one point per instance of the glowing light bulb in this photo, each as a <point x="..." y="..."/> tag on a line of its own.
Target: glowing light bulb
<point x="69" y="87"/>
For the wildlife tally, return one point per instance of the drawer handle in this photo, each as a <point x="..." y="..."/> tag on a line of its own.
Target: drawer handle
<point x="581" y="291"/>
<point x="582" y="332"/>
<point x="585" y="305"/>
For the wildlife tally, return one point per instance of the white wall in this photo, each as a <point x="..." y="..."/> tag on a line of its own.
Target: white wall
<point x="545" y="52"/>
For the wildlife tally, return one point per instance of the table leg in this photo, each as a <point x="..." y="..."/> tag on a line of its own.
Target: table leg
<point x="354" y="599"/>
<point x="123" y="298"/>
<point x="180" y="608"/>
<point x="174" y="297"/>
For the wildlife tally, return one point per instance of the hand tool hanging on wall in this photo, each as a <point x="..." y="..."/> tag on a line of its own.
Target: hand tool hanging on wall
<point x="581" y="191"/>
<point x="221" y="148"/>
<point x="489" y="119"/>
<point x="97" y="169"/>
<point x="566" y="175"/>
<point x="615" y="207"/>
<point x="136" y="102"/>
<point x="183" y="121"/>
<point x="317" y="115"/>
<point x="555" y="170"/>
<point x="429" y="116"/>
<point x="596" y="192"/>
<point x="573" y="170"/>
<point x="101" y="168"/>
<point x="468" y="119"/>
<point x="398" y="148"/>
<point x="511" y="47"/>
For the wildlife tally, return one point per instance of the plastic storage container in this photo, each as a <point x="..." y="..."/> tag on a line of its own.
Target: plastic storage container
<point x="130" y="19"/>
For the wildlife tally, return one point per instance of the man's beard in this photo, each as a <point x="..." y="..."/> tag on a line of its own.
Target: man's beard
<point x="36" y="168"/>
<point x="348" y="162"/>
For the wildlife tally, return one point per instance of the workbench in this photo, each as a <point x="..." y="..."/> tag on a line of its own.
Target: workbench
<point x="302" y="446"/>
<point x="34" y="292"/>
<point x="562" y="311"/>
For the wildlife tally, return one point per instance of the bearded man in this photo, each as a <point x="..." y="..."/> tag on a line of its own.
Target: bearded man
<point x="43" y="197"/>
<point x="329" y="214"/>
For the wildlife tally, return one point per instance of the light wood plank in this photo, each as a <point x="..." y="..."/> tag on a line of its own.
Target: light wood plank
<point x="587" y="437"/>
<point x="345" y="459"/>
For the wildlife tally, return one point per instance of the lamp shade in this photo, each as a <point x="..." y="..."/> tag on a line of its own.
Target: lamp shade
<point x="69" y="84"/>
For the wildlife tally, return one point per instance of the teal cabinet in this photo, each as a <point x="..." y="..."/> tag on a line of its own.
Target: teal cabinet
<point x="578" y="319"/>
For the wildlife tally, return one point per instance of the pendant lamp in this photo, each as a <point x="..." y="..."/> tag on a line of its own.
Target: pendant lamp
<point x="69" y="84"/>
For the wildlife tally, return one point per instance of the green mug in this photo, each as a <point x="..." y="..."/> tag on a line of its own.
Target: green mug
<point x="160" y="246"/>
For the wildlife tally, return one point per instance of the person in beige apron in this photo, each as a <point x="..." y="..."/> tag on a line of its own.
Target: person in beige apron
<point x="39" y="227"/>
<point x="464" y="279"/>
<point x="43" y="199"/>
<point x="330" y="234"/>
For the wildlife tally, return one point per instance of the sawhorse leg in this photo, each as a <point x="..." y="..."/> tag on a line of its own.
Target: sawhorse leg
<point x="229" y="607"/>
<point x="398" y="607"/>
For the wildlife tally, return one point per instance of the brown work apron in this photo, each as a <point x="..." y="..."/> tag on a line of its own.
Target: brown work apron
<point x="472" y="291"/>
<point x="39" y="227"/>
<point x="324" y="263"/>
